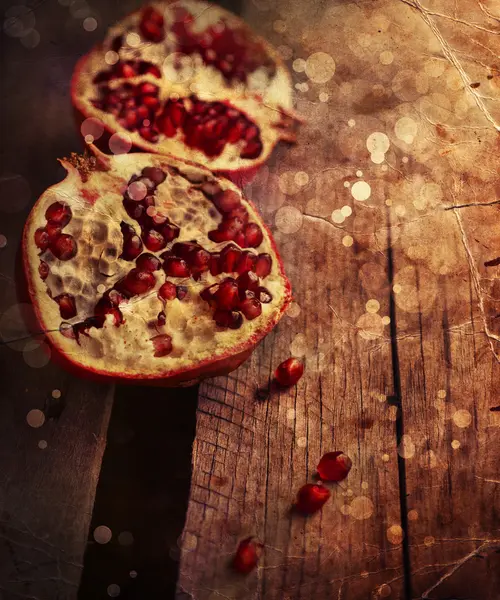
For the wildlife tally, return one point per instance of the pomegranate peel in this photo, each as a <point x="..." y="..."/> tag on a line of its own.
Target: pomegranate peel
<point x="196" y="83"/>
<point x="113" y="309"/>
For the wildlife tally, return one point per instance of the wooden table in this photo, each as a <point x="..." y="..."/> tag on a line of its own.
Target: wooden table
<point x="387" y="214"/>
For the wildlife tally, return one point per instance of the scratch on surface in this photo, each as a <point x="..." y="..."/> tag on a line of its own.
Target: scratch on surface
<point x="457" y="565"/>
<point x="472" y="204"/>
<point x="475" y="278"/>
<point x="451" y="56"/>
<point x="487" y="480"/>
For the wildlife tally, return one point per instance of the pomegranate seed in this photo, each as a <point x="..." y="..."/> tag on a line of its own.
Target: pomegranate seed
<point x="142" y="112"/>
<point x="184" y="249"/>
<point x="233" y="225"/>
<point x="153" y="70"/>
<point x="334" y="466"/>
<point x="41" y="239"/>
<point x="130" y="119"/>
<point x="124" y="70"/>
<point x="227" y="294"/>
<point x="147" y="88"/>
<point x="58" y="213"/>
<point x="236" y="131"/>
<point x="250" y="306"/>
<point x="253" y="235"/>
<point x="248" y="281"/>
<point x="151" y="25"/>
<point x="200" y="259"/>
<point x="154" y="241"/>
<point x="148" y="262"/>
<point x="167" y="291"/>
<point x="53" y="231"/>
<point x="240" y="239"/>
<point x="104" y="307"/>
<point x="289" y="372"/>
<point x="210" y="188"/>
<point x="162" y="345"/>
<point x="132" y="247"/>
<point x="252" y="149"/>
<point x="176" y="267"/>
<point x="247" y="556"/>
<point x="150" y="135"/>
<point x="264" y="295"/>
<point x="162" y="318"/>
<point x="263" y="265"/>
<point x="151" y="103"/>
<point x="167" y="127"/>
<point x="67" y="307"/>
<point x="177" y="114"/>
<point x="43" y="270"/>
<point x="138" y="282"/>
<point x="229" y="258"/>
<point x="170" y="232"/>
<point x="227" y="200"/>
<point x="155" y="174"/>
<point x="150" y="14"/>
<point x="228" y="318"/>
<point x="219" y="236"/>
<point x="134" y="209"/>
<point x="116" y="298"/>
<point x="181" y="292"/>
<point x="215" y="263"/>
<point x="64" y="247"/>
<point x="311" y="498"/>
<point x="208" y="294"/>
<point x="240" y="211"/>
<point x="247" y="262"/>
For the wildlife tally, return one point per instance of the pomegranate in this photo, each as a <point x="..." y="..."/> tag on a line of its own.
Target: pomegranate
<point x="311" y="498"/>
<point x="191" y="79"/>
<point x="334" y="466"/>
<point x="119" y="307"/>
<point x="247" y="556"/>
<point x="289" y="371"/>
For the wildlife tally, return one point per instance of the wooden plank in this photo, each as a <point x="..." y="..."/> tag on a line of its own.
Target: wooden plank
<point x="250" y="456"/>
<point x="448" y="304"/>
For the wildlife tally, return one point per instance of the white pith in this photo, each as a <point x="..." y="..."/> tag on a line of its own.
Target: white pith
<point x="96" y="228"/>
<point x="262" y="99"/>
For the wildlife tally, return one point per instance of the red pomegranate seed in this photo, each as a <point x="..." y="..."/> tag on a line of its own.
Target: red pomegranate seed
<point x="150" y="135"/>
<point x="134" y="209"/>
<point x="227" y="294"/>
<point x="132" y="247"/>
<point x="253" y="235"/>
<point x="64" y="247"/>
<point x="138" y="282"/>
<point x="228" y="318"/>
<point x="170" y="232"/>
<point x="208" y="294"/>
<point x="289" y="372"/>
<point x="153" y="70"/>
<point x="236" y="131"/>
<point x="116" y="298"/>
<point x="162" y="318"/>
<point x="248" y="281"/>
<point x="167" y="291"/>
<point x="247" y="556"/>
<point x="124" y="70"/>
<point x="167" y="127"/>
<point x="148" y="262"/>
<point x="53" y="231"/>
<point x="155" y="174"/>
<point x="147" y="88"/>
<point x="263" y="265"/>
<point x="105" y="307"/>
<point x="264" y="295"/>
<point x="142" y="112"/>
<point x="215" y="264"/>
<point x="181" y="292"/>
<point x="311" y="498"/>
<point x="200" y="259"/>
<point x="250" y="306"/>
<point x="229" y="258"/>
<point x="219" y="236"/>
<point x="233" y="226"/>
<point x="227" y="200"/>
<point x="334" y="466"/>
<point x="43" y="270"/>
<point x="240" y="211"/>
<point x="184" y="249"/>
<point x="162" y="345"/>
<point x="151" y="25"/>
<point x="67" y="306"/>
<point x="154" y="241"/>
<point x="58" y="213"/>
<point x="176" y="267"/>
<point x="42" y="239"/>
<point x="247" y="262"/>
<point x="240" y="239"/>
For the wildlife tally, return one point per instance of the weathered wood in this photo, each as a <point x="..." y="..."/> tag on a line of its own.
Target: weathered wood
<point x="417" y="261"/>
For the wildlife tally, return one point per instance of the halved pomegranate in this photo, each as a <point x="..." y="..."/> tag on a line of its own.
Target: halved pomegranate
<point x="190" y="79"/>
<point x="117" y="305"/>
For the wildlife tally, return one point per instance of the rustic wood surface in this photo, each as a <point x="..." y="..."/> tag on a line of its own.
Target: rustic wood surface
<point x="409" y="400"/>
<point x="396" y="316"/>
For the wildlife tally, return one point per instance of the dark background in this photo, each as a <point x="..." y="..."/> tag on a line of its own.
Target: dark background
<point x="144" y="481"/>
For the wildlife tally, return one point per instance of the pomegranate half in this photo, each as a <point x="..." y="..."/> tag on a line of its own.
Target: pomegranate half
<point x="147" y="268"/>
<point x="190" y="79"/>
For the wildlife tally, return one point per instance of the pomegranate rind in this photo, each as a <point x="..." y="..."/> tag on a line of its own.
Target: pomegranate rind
<point x="266" y="107"/>
<point x="169" y="371"/>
